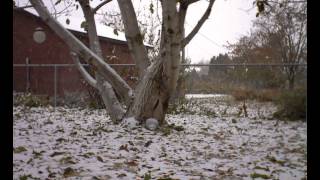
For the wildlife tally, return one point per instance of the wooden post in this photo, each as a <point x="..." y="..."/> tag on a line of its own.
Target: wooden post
<point x="28" y="76"/>
<point x="55" y="86"/>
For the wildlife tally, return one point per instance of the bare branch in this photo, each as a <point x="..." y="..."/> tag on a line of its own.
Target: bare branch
<point x="85" y="53"/>
<point x="83" y="71"/>
<point x="100" y="5"/>
<point x="188" y="2"/>
<point x="65" y="10"/>
<point x="133" y="35"/>
<point x="198" y="26"/>
<point x="182" y="16"/>
<point x="91" y="27"/>
<point x="113" y="106"/>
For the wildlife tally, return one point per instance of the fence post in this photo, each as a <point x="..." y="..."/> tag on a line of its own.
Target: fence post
<point x="28" y="75"/>
<point x="55" y="87"/>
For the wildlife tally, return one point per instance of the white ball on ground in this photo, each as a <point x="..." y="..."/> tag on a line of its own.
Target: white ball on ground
<point x="152" y="124"/>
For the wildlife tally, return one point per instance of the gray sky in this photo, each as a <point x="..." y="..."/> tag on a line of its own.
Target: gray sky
<point x="227" y="22"/>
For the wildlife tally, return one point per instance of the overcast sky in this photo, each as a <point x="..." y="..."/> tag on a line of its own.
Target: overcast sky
<point x="229" y="19"/>
<point x="227" y="22"/>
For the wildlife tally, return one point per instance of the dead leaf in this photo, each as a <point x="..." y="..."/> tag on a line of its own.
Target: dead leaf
<point x="124" y="147"/>
<point x="100" y="158"/>
<point x="68" y="172"/>
<point x="19" y="149"/>
<point x="148" y="143"/>
<point x="56" y="154"/>
<point x="122" y="175"/>
<point x="132" y="163"/>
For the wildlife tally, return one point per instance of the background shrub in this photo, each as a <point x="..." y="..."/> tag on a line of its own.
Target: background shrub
<point x="30" y="100"/>
<point x="292" y="105"/>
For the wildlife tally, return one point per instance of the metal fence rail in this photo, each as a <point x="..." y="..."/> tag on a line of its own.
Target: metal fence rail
<point x="245" y="65"/>
<point x="56" y="66"/>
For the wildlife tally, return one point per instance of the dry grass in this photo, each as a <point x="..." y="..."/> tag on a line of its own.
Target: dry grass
<point x="261" y="95"/>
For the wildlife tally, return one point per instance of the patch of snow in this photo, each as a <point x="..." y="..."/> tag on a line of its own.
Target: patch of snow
<point x="130" y="122"/>
<point x="189" y="96"/>
<point x="209" y="147"/>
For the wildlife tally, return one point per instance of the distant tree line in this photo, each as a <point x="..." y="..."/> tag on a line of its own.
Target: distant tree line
<point x="279" y="35"/>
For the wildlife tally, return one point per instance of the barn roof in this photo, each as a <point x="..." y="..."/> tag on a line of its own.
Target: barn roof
<point x="104" y="32"/>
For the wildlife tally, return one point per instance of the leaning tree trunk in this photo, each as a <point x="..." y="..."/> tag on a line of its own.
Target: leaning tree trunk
<point x="80" y="51"/>
<point x="104" y="88"/>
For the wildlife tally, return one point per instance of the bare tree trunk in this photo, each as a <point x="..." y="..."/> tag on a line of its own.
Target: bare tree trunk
<point x="79" y="50"/>
<point x="103" y="86"/>
<point x="158" y="81"/>
<point x="133" y="35"/>
<point x="150" y="97"/>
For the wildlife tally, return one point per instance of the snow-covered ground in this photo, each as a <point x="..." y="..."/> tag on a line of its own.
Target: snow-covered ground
<point x="223" y="144"/>
<point x="189" y="96"/>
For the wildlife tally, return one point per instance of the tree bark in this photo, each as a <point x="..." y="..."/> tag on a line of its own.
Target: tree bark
<point x="105" y="89"/>
<point x="160" y="80"/>
<point x="133" y="35"/>
<point x="93" y="56"/>
<point x="123" y="89"/>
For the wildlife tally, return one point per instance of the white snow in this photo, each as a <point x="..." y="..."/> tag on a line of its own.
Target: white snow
<point x="102" y="30"/>
<point x="189" y="96"/>
<point x="130" y="122"/>
<point x="221" y="146"/>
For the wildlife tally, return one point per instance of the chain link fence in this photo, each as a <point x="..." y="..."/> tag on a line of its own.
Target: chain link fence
<point x="62" y="83"/>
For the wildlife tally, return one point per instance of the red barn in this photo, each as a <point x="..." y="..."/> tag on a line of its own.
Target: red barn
<point x="40" y="80"/>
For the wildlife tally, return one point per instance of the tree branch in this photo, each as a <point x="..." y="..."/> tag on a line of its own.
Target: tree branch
<point x="113" y="106"/>
<point x="182" y="16"/>
<point x="100" y="5"/>
<point x="83" y="72"/>
<point x="195" y="30"/>
<point x="79" y="48"/>
<point x="91" y="27"/>
<point x="188" y="2"/>
<point x="96" y="48"/>
<point x="133" y="35"/>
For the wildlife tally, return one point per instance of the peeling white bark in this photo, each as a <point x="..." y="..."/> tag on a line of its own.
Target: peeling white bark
<point x="113" y="106"/>
<point x="133" y="35"/>
<point x="109" y="98"/>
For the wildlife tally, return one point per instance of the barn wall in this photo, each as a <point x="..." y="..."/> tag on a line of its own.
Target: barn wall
<point x="54" y="51"/>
